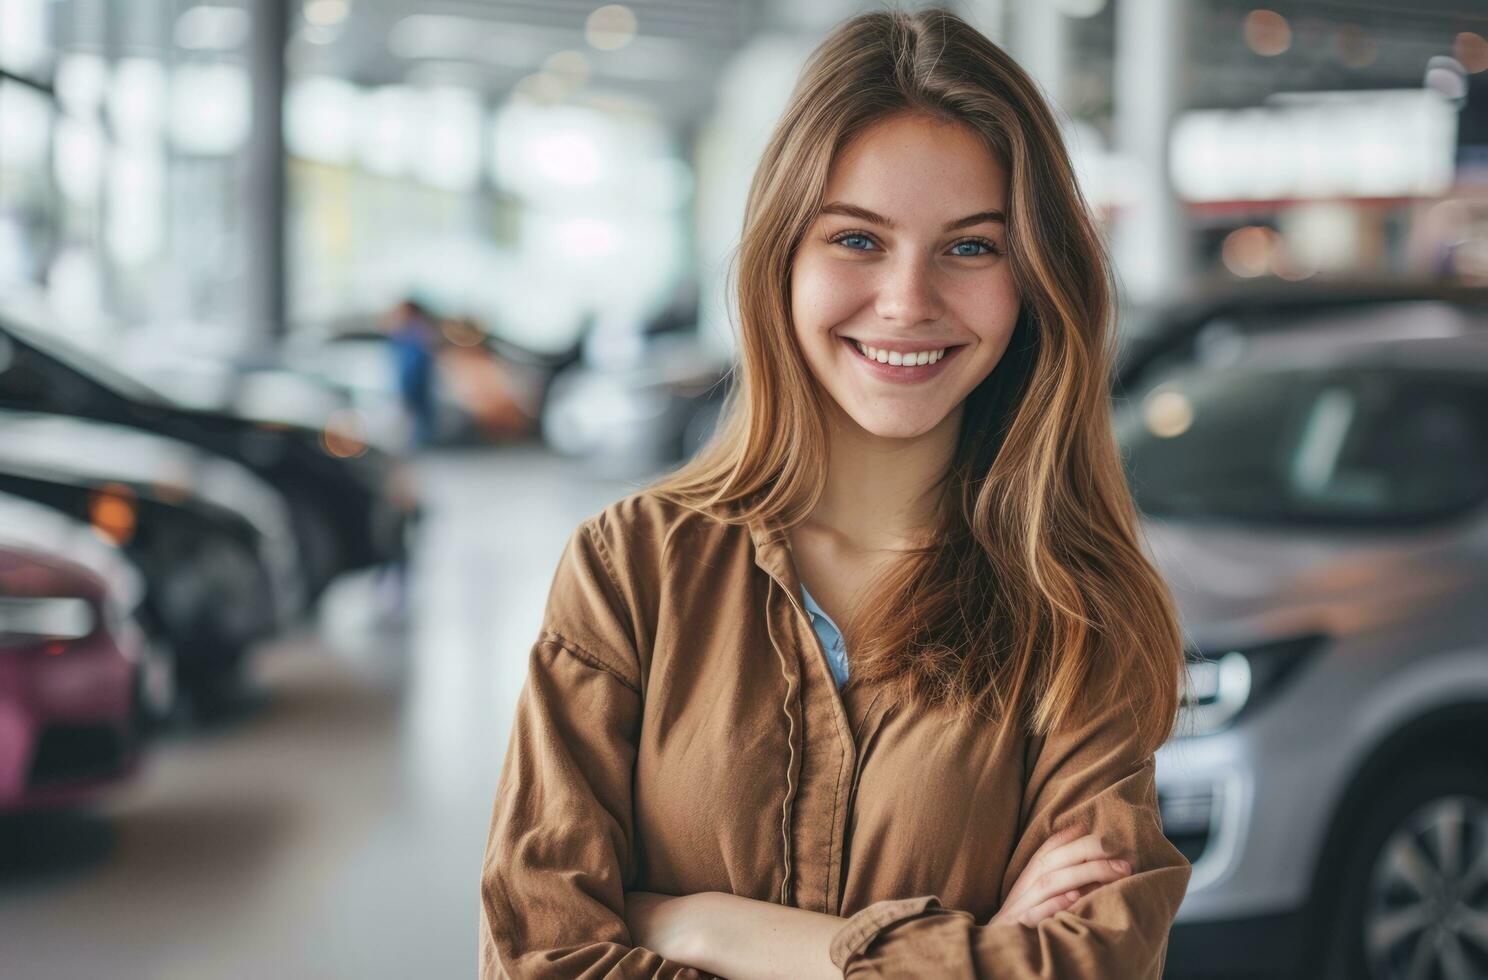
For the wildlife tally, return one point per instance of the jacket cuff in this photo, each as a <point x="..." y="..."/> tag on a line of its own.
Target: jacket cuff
<point x="864" y="926"/>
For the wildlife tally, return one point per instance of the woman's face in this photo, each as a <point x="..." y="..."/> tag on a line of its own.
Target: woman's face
<point x="908" y="255"/>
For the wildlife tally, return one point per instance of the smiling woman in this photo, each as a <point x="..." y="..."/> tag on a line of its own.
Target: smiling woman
<point x="920" y="441"/>
<point x="913" y="281"/>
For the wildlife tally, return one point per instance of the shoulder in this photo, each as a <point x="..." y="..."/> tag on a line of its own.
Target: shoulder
<point x="644" y="535"/>
<point x="617" y="569"/>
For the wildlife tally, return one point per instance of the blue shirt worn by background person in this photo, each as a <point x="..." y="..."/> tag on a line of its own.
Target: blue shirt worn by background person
<point x="831" y="638"/>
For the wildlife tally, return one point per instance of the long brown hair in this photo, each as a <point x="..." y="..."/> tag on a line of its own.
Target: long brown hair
<point x="1035" y="579"/>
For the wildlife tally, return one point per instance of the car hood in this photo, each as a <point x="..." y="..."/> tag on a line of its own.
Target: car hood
<point x="1244" y="583"/>
<point x="80" y="449"/>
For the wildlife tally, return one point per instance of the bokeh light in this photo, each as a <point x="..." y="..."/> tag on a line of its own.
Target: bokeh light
<point x="610" y="27"/>
<point x="1247" y="252"/>
<point x="1471" y="50"/>
<point x="1267" y="33"/>
<point x="1167" y="412"/>
<point x="112" y="509"/>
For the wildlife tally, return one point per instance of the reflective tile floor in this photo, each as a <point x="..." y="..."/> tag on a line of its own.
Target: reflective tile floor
<point x="331" y="825"/>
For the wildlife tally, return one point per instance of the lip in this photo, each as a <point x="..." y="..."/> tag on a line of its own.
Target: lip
<point x="905" y="346"/>
<point x="900" y="373"/>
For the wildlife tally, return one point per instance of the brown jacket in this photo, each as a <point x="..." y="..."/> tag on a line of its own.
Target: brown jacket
<point x="680" y="731"/>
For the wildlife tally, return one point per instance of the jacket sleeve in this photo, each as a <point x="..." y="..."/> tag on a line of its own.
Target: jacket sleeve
<point x="560" y="853"/>
<point x="1089" y="772"/>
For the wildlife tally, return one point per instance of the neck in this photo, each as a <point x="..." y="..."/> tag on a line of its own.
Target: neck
<point x="878" y="494"/>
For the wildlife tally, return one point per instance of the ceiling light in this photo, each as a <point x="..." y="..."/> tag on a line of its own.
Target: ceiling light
<point x="610" y="27"/>
<point x="326" y="13"/>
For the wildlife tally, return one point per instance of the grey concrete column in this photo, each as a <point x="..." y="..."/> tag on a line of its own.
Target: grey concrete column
<point x="1040" y="42"/>
<point x="1151" y="248"/>
<point x="265" y="305"/>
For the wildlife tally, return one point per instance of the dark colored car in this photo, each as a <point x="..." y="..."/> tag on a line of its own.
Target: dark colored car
<point x="350" y="503"/>
<point x="213" y="541"/>
<point x="68" y="658"/>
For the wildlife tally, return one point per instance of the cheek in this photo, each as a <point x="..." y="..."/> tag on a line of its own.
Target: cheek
<point x="989" y="310"/>
<point x="823" y="295"/>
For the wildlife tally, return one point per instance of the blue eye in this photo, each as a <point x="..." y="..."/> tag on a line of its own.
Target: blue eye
<point x="981" y="243"/>
<point x="840" y="239"/>
<point x="983" y="246"/>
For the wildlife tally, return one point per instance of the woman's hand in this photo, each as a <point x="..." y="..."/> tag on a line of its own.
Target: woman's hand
<point x="1067" y="866"/>
<point x="661" y="923"/>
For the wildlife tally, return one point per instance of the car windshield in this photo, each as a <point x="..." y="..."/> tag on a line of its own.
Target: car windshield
<point x="1308" y="445"/>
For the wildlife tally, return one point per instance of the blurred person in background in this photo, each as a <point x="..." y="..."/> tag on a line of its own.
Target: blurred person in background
<point x="414" y="340"/>
<point x="958" y="781"/>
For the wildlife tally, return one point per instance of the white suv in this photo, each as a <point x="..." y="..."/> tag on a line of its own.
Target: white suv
<point x="1314" y="476"/>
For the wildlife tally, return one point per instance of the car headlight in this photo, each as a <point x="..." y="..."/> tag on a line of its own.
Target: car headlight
<point x="1226" y="684"/>
<point x="30" y="620"/>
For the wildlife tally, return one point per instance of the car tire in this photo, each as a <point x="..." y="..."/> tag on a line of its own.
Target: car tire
<point x="212" y="685"/>
<point x="1396" y="883"/>
<point x="156" y="690"/>
<point x="320" y="545"/>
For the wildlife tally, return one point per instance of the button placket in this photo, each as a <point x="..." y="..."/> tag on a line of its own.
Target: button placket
<point x="821" y="741"/>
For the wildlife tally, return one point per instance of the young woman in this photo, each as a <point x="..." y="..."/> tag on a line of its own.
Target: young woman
<point x="918" y="450"/>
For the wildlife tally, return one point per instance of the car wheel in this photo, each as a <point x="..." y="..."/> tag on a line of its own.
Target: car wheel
<point x="155" y="695"/>
<point x="320" y="546"/>
<point x="1412" y="898"/>
<point x="211" y="684"/>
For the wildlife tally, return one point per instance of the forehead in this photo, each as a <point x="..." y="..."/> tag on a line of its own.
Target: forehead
<point x="919" y="162"/>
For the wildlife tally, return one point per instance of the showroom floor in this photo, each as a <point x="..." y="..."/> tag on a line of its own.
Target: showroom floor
<point x="333" y="825"/>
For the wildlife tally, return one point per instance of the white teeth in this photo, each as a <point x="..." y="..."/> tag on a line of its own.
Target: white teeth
<point x="895" y="357"/>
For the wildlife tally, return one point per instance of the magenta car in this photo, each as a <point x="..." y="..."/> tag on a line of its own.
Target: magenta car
<point x="68" y="657"/>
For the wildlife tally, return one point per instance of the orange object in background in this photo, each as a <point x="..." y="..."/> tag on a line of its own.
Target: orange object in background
<point x="492" y="393"/>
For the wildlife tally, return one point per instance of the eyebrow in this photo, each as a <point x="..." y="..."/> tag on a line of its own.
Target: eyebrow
<point x="863" y="214"/>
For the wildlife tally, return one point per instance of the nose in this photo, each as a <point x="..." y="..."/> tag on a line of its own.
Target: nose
<point x="908" y="293"/>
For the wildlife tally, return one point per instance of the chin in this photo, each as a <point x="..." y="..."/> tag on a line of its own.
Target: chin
<point x="894" y="428"/>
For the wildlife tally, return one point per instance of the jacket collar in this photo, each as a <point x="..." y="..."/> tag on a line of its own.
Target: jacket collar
<point x="772" y="552"/>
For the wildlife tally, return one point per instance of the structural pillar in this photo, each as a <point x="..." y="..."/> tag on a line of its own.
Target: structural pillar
<point x="264" y="185"/>
<point x="1151" y="248"/>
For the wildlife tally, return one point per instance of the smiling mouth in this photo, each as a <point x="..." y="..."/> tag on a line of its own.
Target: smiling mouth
<point x="907" y="359"/>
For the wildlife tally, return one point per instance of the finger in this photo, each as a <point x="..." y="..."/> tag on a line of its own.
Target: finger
<point x="1062" y="852"/>
<point x="1034" y="916"/>
<point x="1067" y="833"/>
<point x="1091" y="847"/>
<point x="1039" y="864"/>
<point x="1062" y="880"/>
<point x="1100" y="871"/>
<point x="1078" y="851"/>
<point x="1043" y="910"/>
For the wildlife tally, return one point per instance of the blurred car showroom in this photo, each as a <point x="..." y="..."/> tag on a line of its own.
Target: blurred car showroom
<point x="323" y="323"/>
